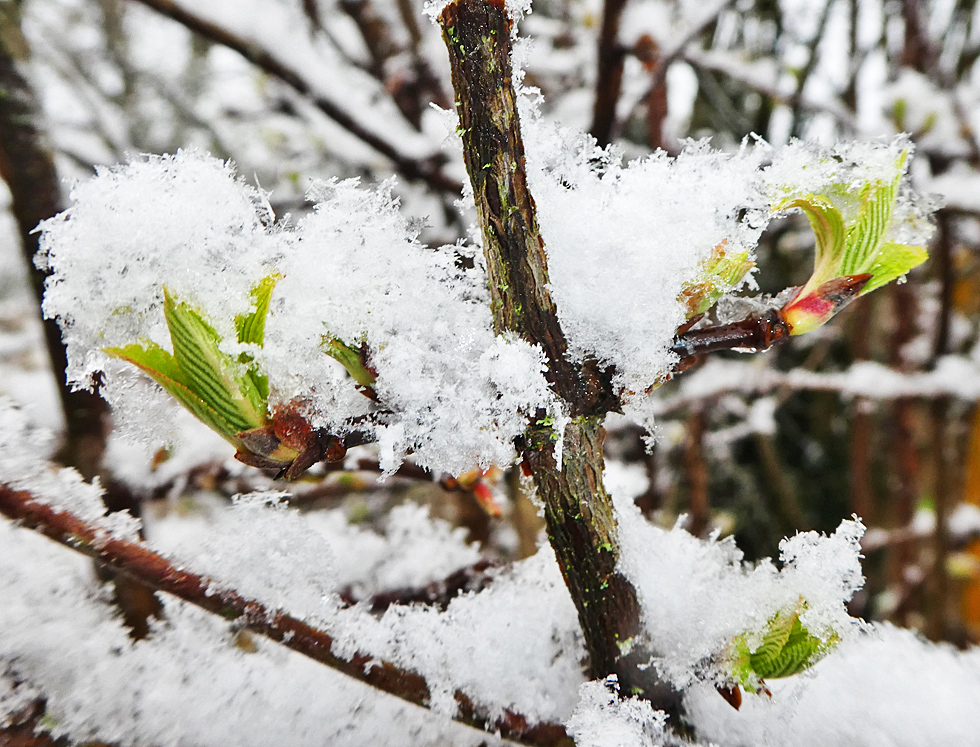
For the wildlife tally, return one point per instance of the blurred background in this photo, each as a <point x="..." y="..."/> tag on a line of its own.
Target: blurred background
<point x="874" y="415"/>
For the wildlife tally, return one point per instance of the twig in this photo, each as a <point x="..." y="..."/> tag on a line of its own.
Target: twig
<point x="804" y="74"/>
<point x="436" y="594"/>
<point x="697" y="474"/>
<point x="663" y="62"/>
<point x="157" y="573"/>
<point x="427" y="170"/>
<point x="755" y="333"/>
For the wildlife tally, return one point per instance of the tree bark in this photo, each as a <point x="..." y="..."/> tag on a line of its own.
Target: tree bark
<point x="578" y="510"/>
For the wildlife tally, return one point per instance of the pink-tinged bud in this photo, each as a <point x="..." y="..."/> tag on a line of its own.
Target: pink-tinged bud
<point x="805" y="313"/>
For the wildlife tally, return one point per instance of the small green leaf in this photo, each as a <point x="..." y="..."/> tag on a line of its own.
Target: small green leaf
<point x="787" y="649"/>
<point x="349" y="358"/>
<point x="161" y="366"/>
<point x="251" y="327"/>
<point x="894" y="260"/>
<point x="829" y="231"/>
<point x="717" y="275"/>
<point x="207" y="370"/>
<point x="865" y="235"/>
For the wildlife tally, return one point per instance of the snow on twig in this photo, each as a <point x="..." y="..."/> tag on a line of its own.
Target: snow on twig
<point x="147" y="567"/>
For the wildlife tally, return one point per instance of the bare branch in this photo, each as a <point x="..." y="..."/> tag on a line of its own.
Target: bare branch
<point x="157" y="573"/>
<point x="669" y="55"/>
<point x="427" y="170"/>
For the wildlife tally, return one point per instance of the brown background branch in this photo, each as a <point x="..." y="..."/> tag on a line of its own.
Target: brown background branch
<point x="413" y="169"/>
<point x="27" y="165"/>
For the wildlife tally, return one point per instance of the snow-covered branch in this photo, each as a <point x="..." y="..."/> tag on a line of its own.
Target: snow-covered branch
<point x="158" y="573"/>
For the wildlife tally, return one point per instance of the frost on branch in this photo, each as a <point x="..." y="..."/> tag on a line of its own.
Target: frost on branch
<point x="23" y="466"/>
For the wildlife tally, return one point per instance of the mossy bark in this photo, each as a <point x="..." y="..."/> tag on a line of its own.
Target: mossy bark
<point x="580" y="520"/>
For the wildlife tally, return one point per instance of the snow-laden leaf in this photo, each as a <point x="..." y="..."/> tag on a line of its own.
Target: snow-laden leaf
<point x="161" y="366"/>
<point x="717" y="275"/>
<point x="251" y="327"/>
<point x="787" y="648"/>
<point x="208" y="371"/>
<point x="350" y="358"/>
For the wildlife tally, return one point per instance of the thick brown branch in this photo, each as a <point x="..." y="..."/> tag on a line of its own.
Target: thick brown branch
<point x="478" y="36"/>
<point x="152" y="570"/>
<point x="578" y="510"/>
<point x="427" y="171"/>
<point x="26" y="164"/>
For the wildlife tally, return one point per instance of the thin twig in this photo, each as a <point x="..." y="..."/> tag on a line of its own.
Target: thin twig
<point x="426" y="170"/>
<point x="157" y="573"/>
<point x="437" y="594"/>
<point x="755" y="333"/>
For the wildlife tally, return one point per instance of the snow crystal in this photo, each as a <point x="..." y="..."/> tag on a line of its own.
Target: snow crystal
<point x="187" y="683"/>
<point x="294" y="571"/>
<point x="623" y="241"/>
<point x="459" y="394"/>
<point x="515" y="644"/>
<point x="601" y="719"/>
<point x="414" y="550"/>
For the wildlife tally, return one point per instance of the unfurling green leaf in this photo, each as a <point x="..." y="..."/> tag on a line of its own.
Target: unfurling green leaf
<point x="160" y="365"/>
<point x="787" y="648"/>
<point x="251" y="327"/>
<point x="210" y="373"/>
<point x="349" y="358"/>
<point x="717" y="275"/>
<point x="853" y="256"/>
<point x="228" y="395"/>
